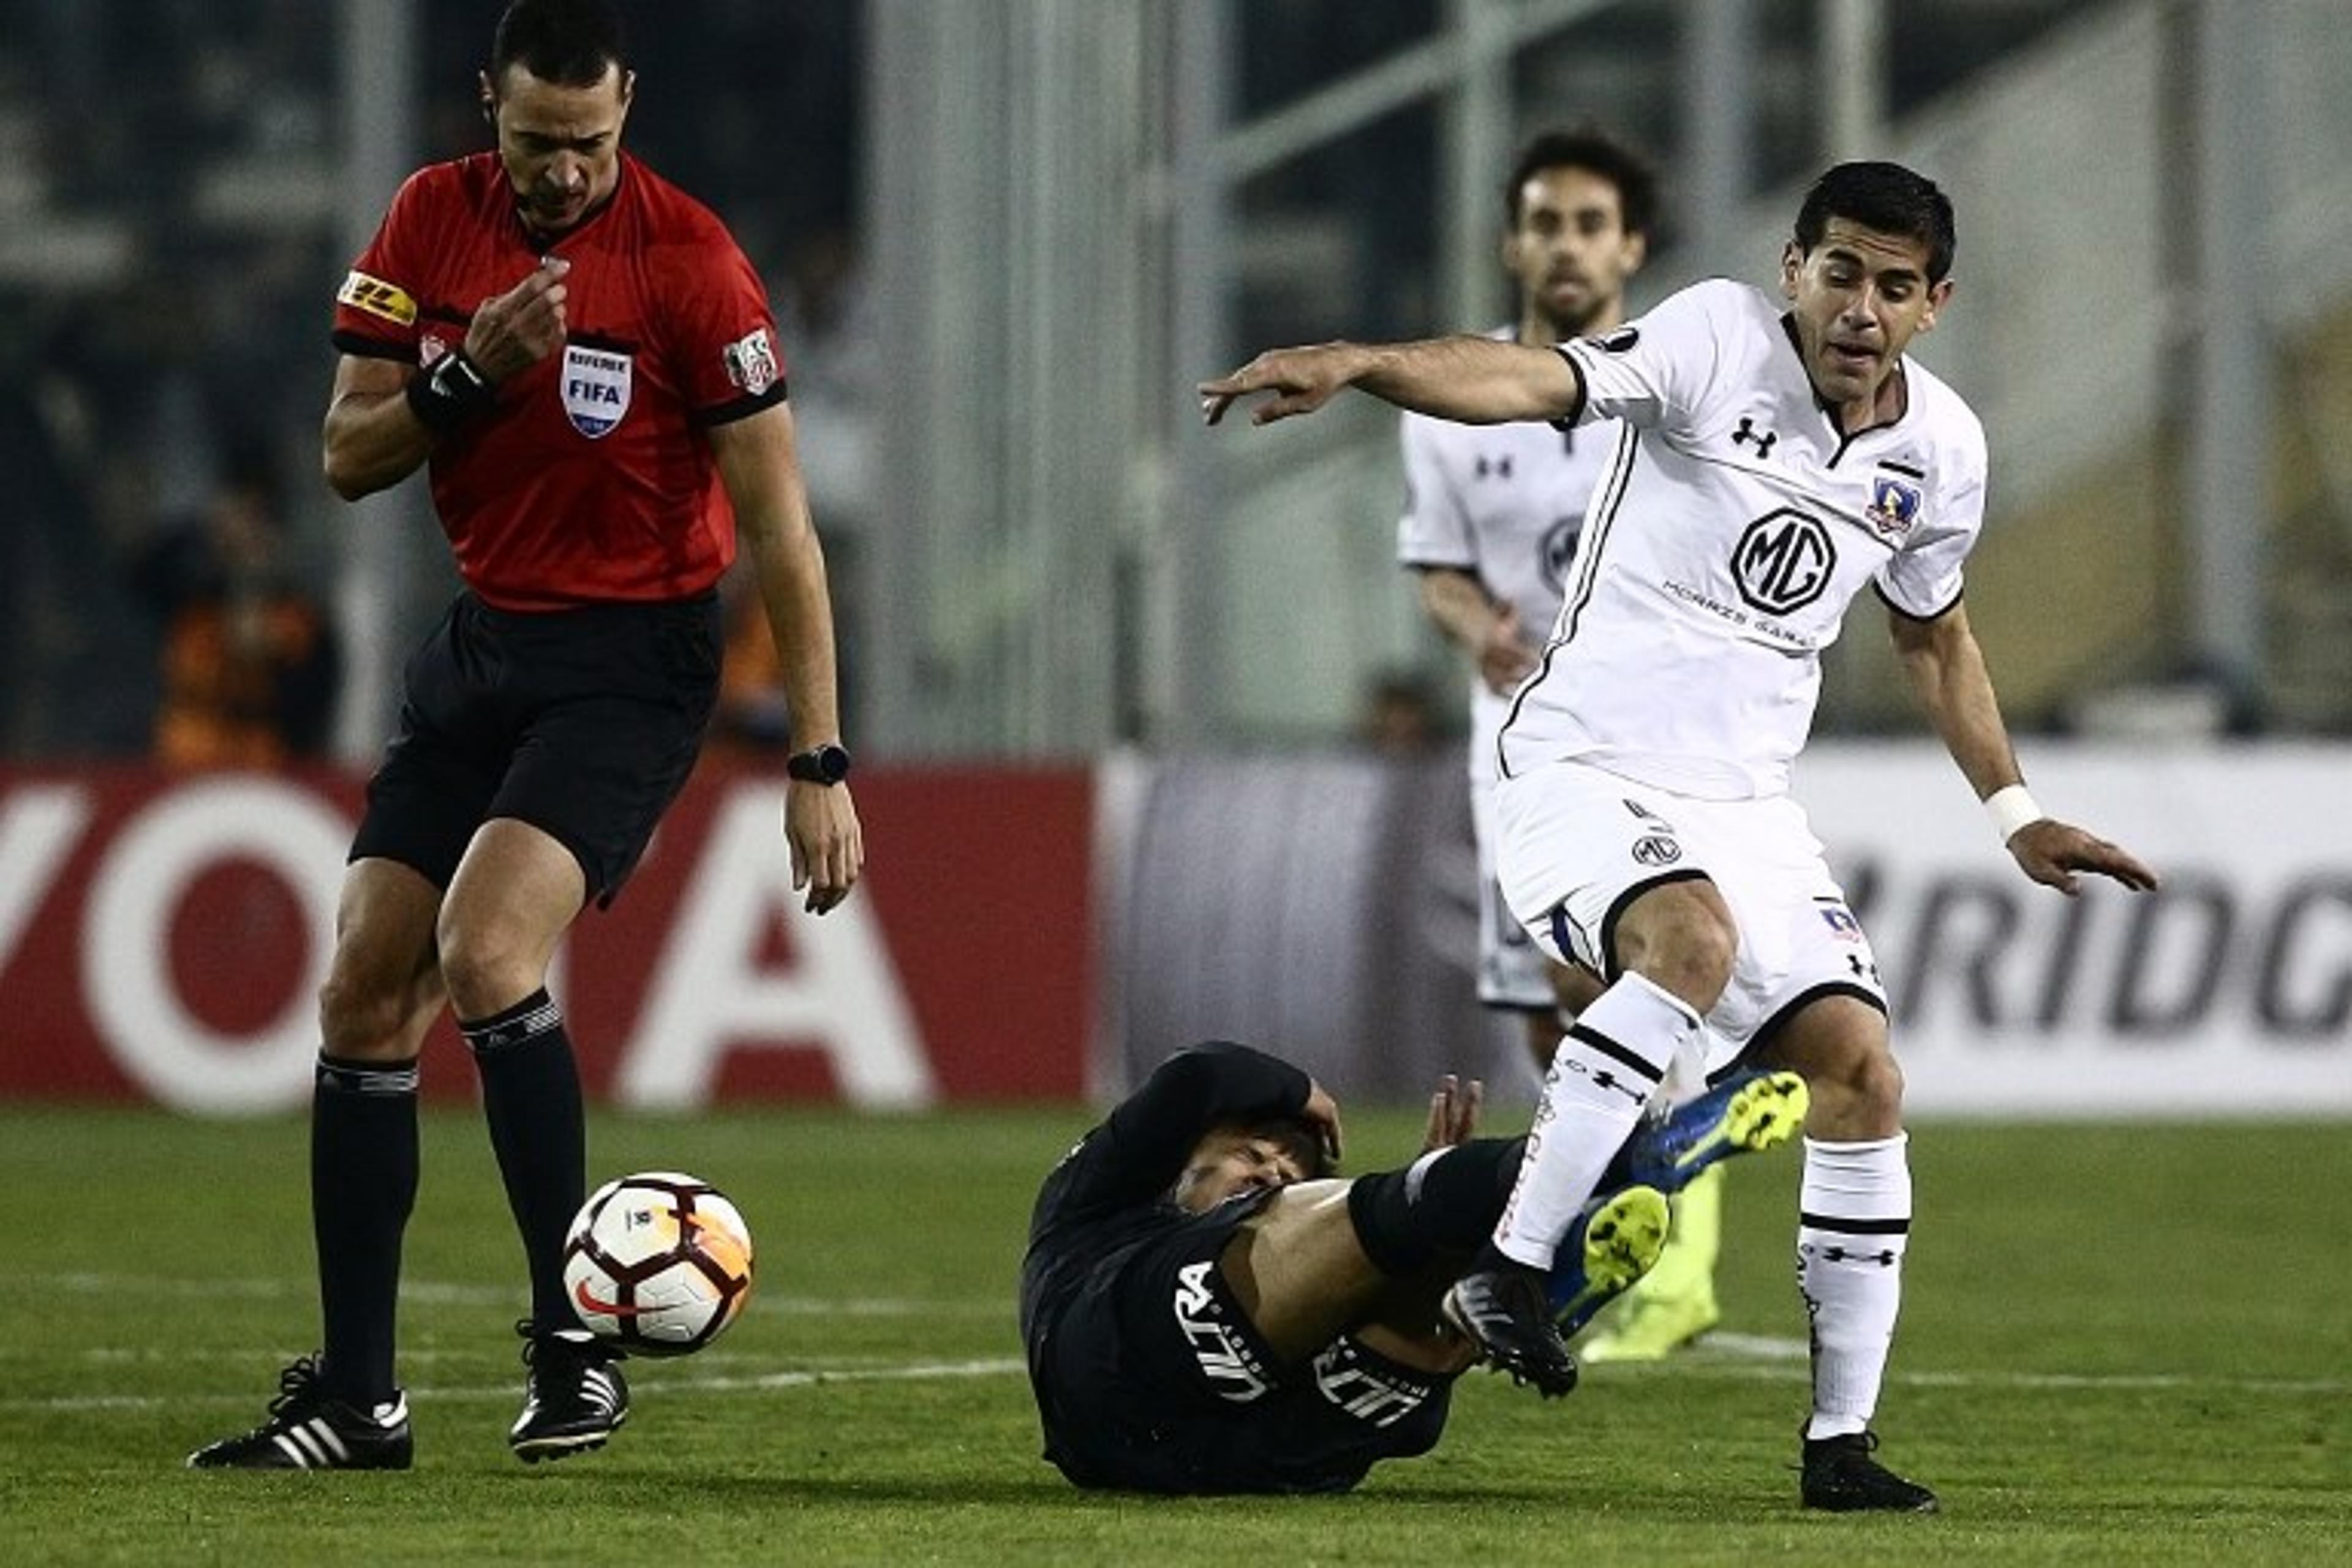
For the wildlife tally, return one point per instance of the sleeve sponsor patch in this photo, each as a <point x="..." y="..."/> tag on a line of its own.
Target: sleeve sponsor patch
<point x="751" y="362"/>
<point x="377" y="298"/>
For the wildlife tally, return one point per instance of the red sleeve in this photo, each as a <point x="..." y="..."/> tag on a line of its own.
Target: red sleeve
<point x="376" y="310"/>
<point x="722" y="333"/>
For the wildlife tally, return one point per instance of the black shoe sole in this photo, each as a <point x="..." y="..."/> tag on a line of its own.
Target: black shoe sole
<point x="534" y="1450"/>
<point x="1550" y="1382"/>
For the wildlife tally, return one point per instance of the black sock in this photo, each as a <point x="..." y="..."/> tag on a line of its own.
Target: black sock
<point x="1448" y="1200"/>
<point x="530" y="1092"/>
<point x="362" y="1186"/>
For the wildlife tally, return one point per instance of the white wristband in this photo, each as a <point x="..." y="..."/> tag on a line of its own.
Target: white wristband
<point x="2010" y="808"/>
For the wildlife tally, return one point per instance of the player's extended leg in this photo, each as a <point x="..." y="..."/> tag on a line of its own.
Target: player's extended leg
<point x="1853" y="1225"/>
<point x="1323" y="1257"/>
<point x="1677" y="1154"/>
<point x="516" y="892"/>
<point x="1674" y="947"/>
<point x="1674" y="1303"/>
<point x="342" y="1410"/>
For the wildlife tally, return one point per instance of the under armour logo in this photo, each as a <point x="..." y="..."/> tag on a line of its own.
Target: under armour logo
<point x="1885" y="1258"/>
<point x="1498" y="466"/>
<point x="1746" y="431"/>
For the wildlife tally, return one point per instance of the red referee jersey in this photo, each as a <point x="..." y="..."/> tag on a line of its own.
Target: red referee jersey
<point x="593" y="479"/>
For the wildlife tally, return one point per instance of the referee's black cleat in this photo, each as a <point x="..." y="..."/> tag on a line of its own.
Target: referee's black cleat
<point x="1503" y="1307"/>
<point x="573" y="1400"/>
<point x="1839" y="1475"/>
<point x="310" y="1429"/>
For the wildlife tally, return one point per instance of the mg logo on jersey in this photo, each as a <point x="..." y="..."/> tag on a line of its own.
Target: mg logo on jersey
<point x="1655" y="849"/>
<point x="1784" y="561"/>
<point x="596" y="389"/>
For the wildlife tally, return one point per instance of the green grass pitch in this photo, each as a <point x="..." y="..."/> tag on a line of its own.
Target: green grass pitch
<point x="2119" y="1345"/>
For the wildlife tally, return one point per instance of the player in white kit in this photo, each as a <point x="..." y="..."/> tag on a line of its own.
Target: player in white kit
<point x="1489" y="529"/>
<point x="1777" y="462"/>
<point x="1492" y="512"/>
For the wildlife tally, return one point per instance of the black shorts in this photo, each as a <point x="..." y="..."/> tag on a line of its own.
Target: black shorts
<point x="582" y="722"/>
<point x="1149" y="1378"/>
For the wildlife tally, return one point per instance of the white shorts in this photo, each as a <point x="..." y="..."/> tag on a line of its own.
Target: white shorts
<point x="1513" y="971"/>
<point x="1576" y="844"/>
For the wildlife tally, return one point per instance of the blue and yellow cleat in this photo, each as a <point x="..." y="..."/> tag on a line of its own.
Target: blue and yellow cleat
<point x="1613" y="1243"/>
<point x="1675" y="1302"/>
<point x="1746" y="1114"/>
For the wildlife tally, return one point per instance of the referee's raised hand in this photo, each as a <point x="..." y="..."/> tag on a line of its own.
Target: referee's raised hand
<point x="522" y="326"/>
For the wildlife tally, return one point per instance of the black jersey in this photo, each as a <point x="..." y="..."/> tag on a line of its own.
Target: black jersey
<point x="1111" y="1190"/>
<point x="1147" y="1375"/>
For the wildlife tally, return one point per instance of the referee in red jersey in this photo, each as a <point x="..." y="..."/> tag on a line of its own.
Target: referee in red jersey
<point x="585" y="363"/>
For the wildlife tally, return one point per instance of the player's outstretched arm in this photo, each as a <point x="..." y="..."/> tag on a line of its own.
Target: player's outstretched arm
<point x="1948" y="670"/>
<point x="1472" y="380"/>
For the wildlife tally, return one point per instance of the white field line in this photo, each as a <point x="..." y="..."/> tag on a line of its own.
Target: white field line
<point x="662" y="1387"/>
<point x="1739" y="1361"/>
<point x="1746" y="1357"/>
<point x="446" y="1293"/>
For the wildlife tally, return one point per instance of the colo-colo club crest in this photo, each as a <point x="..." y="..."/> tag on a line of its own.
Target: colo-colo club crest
<point x="596" y="389"/>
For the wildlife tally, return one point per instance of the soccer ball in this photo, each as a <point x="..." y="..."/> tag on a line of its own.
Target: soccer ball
<point x="658" y="1263"/>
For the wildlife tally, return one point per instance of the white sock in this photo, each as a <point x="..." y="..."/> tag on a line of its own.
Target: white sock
<point x="1605" y="1071"/>
<point x="1855" y="1223"/>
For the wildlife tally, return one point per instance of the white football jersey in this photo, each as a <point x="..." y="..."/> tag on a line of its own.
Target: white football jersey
<point x="1734" y="527"/>
<point x="1504" y="502"/>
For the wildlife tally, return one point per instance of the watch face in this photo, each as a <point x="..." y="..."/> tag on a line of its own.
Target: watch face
<point x="820" y="764"/>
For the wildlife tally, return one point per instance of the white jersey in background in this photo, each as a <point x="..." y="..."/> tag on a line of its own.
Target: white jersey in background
<point x="1505" y="503"/>
<point x="1732" y="530"/>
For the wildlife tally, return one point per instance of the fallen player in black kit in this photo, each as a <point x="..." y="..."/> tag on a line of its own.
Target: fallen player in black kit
<point x="1205" y="1309"/>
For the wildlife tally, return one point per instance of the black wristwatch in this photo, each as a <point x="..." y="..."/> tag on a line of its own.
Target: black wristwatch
<point x="826" y="764"/>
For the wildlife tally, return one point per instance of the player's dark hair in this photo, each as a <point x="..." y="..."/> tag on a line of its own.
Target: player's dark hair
<point x="1597" y="152"/>
<point x="1887" y="197"/>
<point x="570" y="43"/>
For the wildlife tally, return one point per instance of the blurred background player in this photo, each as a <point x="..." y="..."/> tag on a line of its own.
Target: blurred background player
<point x="1491" y="520"/>
<point x="587" y="362"/>
<point x="1787" y="454"/>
